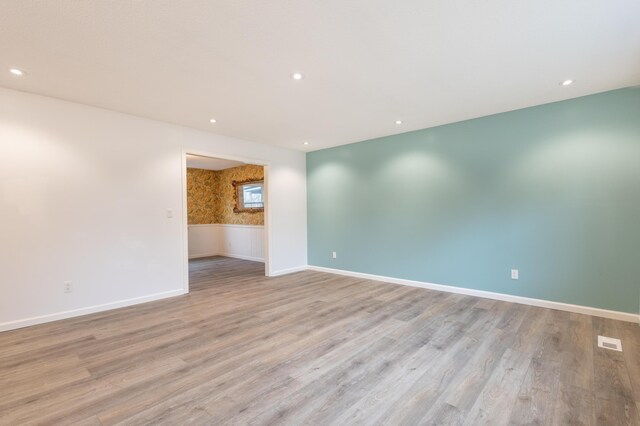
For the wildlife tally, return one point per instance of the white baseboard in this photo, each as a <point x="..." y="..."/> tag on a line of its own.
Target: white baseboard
<point x="622" y="316"/>
<point x="234" y="256"/>
<point x="12" y="325"/>
<point x="200" y="255"/>
<point x="239" y="256"/>
<point x="288" y="271"/>
<point x="587" y="310"/>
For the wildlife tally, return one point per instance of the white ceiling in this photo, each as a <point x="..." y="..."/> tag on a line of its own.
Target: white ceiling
<point x="366" y="63"/>
<point x="209" y="163"/>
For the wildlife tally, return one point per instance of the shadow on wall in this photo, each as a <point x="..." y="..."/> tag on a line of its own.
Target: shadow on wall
<point x="550" y="190"/>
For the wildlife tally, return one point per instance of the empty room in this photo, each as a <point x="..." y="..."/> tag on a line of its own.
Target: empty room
<point x="298" y="212"/>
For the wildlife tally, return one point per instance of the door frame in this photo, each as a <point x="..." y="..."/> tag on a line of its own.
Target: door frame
<point x="185" y="219"/>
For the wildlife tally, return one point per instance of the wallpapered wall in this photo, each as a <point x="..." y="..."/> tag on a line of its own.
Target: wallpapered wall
<point x="210" y="195"/>
<point x="200" y="195"/>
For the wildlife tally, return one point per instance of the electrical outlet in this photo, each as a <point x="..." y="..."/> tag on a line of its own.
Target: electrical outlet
<point x="68" y="287"/>
<point x="334" y="255"/>
<point x="515" y="274"/>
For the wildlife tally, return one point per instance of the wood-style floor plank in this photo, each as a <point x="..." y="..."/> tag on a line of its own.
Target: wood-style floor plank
<point x="314" y="348"/>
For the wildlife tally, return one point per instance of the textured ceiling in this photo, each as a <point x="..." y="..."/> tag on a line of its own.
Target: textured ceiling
<point x="366" y="63"/>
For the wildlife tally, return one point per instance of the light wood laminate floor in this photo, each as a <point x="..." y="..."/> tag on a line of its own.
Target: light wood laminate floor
<point x="314" y="348"/>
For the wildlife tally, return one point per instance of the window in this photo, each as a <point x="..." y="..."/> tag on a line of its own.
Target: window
<point x="249" y="196"/>
<point x="252" y="196"/>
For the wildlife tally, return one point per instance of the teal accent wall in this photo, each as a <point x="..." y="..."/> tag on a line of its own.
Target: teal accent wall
<point x="553" y="191"/>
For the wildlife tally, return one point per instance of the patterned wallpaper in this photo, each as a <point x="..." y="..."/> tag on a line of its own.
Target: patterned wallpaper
<point x="210" y="195"/>
<point x="200" y="196"/>
<point x="224" y="195"/>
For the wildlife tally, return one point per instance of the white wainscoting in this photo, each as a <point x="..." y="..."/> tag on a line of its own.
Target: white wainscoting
<point x="242" y="241"/>
<point x="203" y="240"/>
<point x="239" y="241"/>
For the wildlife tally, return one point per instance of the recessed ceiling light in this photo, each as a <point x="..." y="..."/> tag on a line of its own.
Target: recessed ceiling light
<point x="296" y="76"/>
<point x="567" y="82"/>
<point x="398" y="121"/>
<point x="306" y="143"/>
<point x="16" y="71"/>
<point x="213" y="121"/>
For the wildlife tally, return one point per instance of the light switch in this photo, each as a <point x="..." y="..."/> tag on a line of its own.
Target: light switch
<point x="169" y="213"/>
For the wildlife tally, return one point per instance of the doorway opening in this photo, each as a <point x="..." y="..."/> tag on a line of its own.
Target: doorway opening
<point x="226" y="211"/>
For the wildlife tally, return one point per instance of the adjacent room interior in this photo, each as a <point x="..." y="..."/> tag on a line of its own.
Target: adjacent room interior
<point x="319" y="213"/>
<point x="225" y="217"/>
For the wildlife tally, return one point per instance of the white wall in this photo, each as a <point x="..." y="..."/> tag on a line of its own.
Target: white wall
<point x="203" y="240"/>
<point x="239" y="241"/>
<point x="83" y="197"/>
